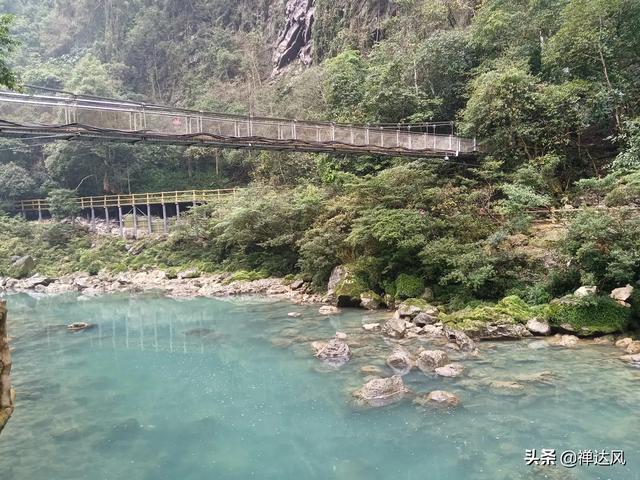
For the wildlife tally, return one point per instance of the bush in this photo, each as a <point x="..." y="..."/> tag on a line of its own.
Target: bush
<point x="63" y="203"/>
<point x="408" y="286"/>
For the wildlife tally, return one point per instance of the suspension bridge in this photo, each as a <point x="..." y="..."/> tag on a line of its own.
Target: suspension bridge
<point x="71" y="117"/>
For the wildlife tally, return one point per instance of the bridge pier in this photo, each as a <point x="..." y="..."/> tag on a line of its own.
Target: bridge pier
<point x="120" y="221"/>
<point x="177" y="211"/>
<point x="106" y="215"/>
<point x="93" y="219"/>
<point x="135" y="222"/>
<point x="149" y="224"/>
<point x="164" y="218"/>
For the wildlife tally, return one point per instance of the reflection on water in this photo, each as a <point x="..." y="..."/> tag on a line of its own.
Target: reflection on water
<point x="212" y="389"/>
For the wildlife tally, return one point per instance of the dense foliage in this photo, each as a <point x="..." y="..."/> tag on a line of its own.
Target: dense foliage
<point x="550" y="88"/>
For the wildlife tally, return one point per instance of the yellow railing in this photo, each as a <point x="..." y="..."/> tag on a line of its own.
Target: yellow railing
<point x="134" y="199"/>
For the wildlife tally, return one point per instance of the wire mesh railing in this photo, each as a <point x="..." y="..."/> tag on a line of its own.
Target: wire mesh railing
<point x="79" y="117"/>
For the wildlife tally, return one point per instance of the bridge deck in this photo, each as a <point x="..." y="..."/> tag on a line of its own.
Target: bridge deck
<point x="85" y="118"/>
<point x="134" y="199"/>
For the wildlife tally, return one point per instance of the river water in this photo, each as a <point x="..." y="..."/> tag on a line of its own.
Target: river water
<point x="229" y="389"/>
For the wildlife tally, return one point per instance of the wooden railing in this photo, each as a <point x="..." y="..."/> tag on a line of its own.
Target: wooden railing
<point x="134" y="199"/>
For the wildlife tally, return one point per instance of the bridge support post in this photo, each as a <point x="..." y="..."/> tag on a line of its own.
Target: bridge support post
<point x="149" y="224"/>
<point x="120" y="221"/>
<point x="164" y="218"/>
<point x="93" y="219"/>
<point x="177" y="211"/>
<point x="39" y="211"/>
<point x="106" y="216"/>
<point x="135" y="222"/>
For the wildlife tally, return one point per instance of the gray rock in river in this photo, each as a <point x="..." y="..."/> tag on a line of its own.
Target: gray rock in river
<point x="450" y="370"/>
<point x="429" y="360"/>
<point x="395" y="327"/>
<point x="438" y="398"/>
<point x="538" y="326"/>
<point x="461" y="339"/>
<point x="400" y="361"/>
<point x="379" y="392"/>
<point x="335" y="352"/>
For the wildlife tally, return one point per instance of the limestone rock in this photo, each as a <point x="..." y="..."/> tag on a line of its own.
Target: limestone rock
<point x="585" y="291"/>
<point x="438" y="397"/>
<point x="294" y="314"/>
<point x="371" y="327"/>
<point x="507" y="386"/>
<point x="424" y="318"/>
<point x="189" y="273"/>
<point x="633" y="348"/>
<point x="622" y="294"/>
<point x="395" y="327"/>
<point x="400" y="361"/>
<point x="568" y="341"/>
<point x="429" y="360"/>
<point x="328" y="310"/>
<point x="379" y="392"/>
<point x="296" y="284"/>
<point x="461" y="339"/>
<point x="505" y="331"/>
<point x="412" y="307"/>
<point x="294" y="41"/>
<point x="341" y="335"/>
<point x="538" y="326"/>
<point x="631" y="359"/>
<point x="22" y="266"/>
<point x="624" y="342"/>
<point x="335" y="352"/>
<point x="370" y="300"/>
<point x="450" y="370"/>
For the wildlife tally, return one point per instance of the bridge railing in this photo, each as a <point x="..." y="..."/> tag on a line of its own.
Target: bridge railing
<point x="135" y="199"/>
<point x="103" y="117"/>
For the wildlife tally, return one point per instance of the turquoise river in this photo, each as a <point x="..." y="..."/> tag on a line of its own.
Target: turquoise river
<point x="230" y="389"/>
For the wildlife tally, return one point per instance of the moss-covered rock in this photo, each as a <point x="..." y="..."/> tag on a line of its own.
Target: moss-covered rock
<point x="478" y="321"/>
<point x="345" y="287"/>
<point x="586" y="316"/>
<point x="408" y="286"/>
<point x="370" y="300"/>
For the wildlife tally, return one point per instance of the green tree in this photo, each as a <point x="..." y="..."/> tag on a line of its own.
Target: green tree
<point x="7" y="46"/>
<point x="63" y="203"/>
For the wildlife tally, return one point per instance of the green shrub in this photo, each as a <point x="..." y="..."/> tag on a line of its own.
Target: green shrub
<point x="247" y="276"/>
<point x="408" y="286"/>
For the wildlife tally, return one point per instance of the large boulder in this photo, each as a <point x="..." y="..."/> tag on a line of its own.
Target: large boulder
<point x="400" y="361"/>
<point x="567" y="341"/>
<point x="438" y="398"/>
<point x="538" y="326"/>
<point x="622" y="294"/>
<point x="344" y="288"/>
<point x="36" y="280"/>
<point x="633" y="348"/>
<point x="370" y="300"/>
<point x="335" y="351"/>
<point x="414" y="306"/>
<point x="22" y="266"/>
<point x="585" y="291"/>
<point x="424" y="318"/>
<point x="379" y="392"/>
<point x="395" y="327"/>
<point x="429" y="360"/>
<point x="504" y="331"/>
<point x="461" y="339"/>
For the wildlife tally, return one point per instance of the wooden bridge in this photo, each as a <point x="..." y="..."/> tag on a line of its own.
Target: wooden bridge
<point x="137" y="205"/>
<point x="79" y="117"/>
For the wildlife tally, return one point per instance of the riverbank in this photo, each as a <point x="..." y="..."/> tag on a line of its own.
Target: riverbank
<point x="185" y="284"/>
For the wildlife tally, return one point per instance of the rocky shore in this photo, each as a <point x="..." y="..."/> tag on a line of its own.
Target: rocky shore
<point x="186" y="284"/>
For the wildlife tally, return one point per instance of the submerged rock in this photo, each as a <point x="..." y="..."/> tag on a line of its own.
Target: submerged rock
<point x="335" y="352"/>
<point x="371" y="327"/>
<point x="631" y="359"/>
<point x="568" y="341"/>
<point x="545" y="377"/>
<point x="379" y="392"/>
<point x="294" y="314"/>
<point x="400" y="361"/>
<point x="79" y="326"/>
<point x="429" y="360"/>
<point x="633" y="347"/>
<point x="437" y="397"/>
<point x="538" y="326"/>
<point x="328" y="310"/>
<point x="450" y="370"/>
<point x="507" y="386"/>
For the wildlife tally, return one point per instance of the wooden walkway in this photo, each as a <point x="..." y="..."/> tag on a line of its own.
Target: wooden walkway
<point x="136" y="205"/>
<point x="78" y="117"/>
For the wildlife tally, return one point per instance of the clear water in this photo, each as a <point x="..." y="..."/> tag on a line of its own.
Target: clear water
<point x="144" y="396"/>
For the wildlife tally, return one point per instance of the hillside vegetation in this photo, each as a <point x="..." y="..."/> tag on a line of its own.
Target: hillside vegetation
<point x="551" y="89"/>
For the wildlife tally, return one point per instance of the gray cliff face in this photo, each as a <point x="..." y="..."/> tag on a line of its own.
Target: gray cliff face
<point x="6" y="400"/>
<point x="294" y="41"/>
